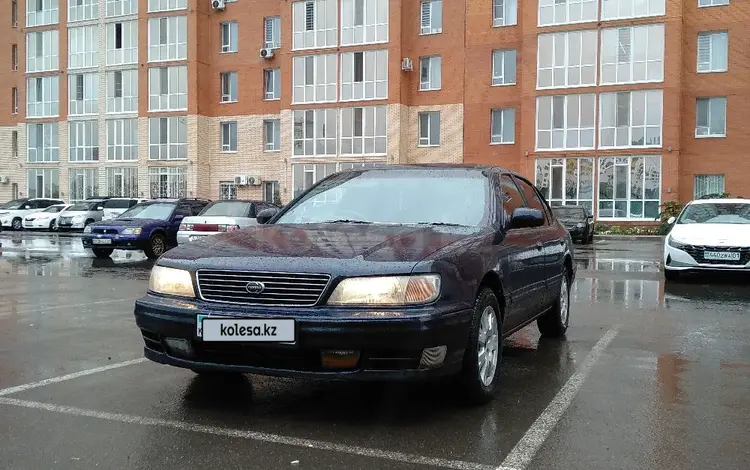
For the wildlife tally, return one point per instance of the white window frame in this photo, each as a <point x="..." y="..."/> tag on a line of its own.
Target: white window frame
<point x="229" y="37"/>
<point x="227" y="190"/>
<point x="272" y="84"/>
<point x="14" y="100"/>
<point x="627" y="161"/>
<point x="49" y="14"/>
<point x="50" y="182"/>
<point x="272" y="135"/>
<point x="128" y="52"/>
<point x="121" y="8"/>
<point x="272" y="32"/>
<point x="83" y="47"/>
<point x="122" y="139"/>
<point x="313" y="129"/>
<point x="545" y="182"/>
<point x="272" y="192"/>
<point x="572" y="8"/>
<point x="175" y="47"/>
<point x="711" y="102"/>
<point x="499" y="63"/>
<point x="166" y="5"/>
<point x="431" y="17"/>
<point x="374" y="83"/>
<point x="128" y="179"/>
<point x="173" y="99"/>
<point x="708" y="184"/>
<point x="643" y="120"/>
<point x="579" y="128"/>
<point x="374" y="136"/>
<point x="712" y="39"/>
<point x="507" y="116"/>
<point x="82" y="10"/>
<point x="229" y="137"/>
<point x="49" y="104"/>
<point x="83" y="141"/>
<point x="50" y="59"/>
<point x="229" y="86"/>
<point x="88" y="83"/>
<point x="572" y="63"/>
<point x="171" y="146"/>
<point x="323" y="32"/>
<point x="427" y="137"/>
<point x="433" y="65"/>
<point x="374" y="26"/>
<point x="175" y="181"/>
<point x="83" y="183"/>
<point x="49" y="140"/>
<point x="509" y="9"/>
<point x="639" y="34"/>
<point x="325" y="68"/>
<point x="619" y="9"/>
<point x="127" y="102"/>
<point x="712" y="3"/>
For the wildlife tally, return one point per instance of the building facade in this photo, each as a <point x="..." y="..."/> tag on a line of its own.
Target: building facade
<point x="618" y="105"/>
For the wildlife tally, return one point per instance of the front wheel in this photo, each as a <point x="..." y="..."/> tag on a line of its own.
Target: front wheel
<point x="17" y="224"/>
<point x="156" y="246"/>
<point x="53" y="226"/>
<point x="554" y="323"/>
<point x="102" y="252"/>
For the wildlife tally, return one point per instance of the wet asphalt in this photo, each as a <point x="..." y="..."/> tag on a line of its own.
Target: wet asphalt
<point x="670" y="391"/>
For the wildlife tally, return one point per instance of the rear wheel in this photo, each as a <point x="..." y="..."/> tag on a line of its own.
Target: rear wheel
<point x="156" y="246"/>
<point x="554" y="323"/>
<point x="102" y="252"/>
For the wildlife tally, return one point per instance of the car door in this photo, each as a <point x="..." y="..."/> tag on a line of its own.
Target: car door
<point x="183" y="210"/>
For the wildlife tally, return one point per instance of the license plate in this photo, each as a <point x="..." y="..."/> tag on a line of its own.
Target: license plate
<point x="102" y="241"/>
<point x="193" y="238"/>
<point x="248" y="330"/>
<point x="722" y="255"/>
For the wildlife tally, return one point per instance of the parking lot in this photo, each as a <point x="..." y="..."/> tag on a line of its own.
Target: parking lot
<point x="651" y="375"/>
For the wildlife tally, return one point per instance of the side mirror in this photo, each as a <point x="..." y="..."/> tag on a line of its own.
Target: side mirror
<point x="266" y="214"/>
<point x="100" y="208"/>
<point x="27" y="207"/>
<point x="671" y="220"/>
<point x="178" y="217"/>
<point x="523" y="217"/>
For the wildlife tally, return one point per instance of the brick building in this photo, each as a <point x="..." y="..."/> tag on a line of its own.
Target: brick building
<point x="615" y="104"/>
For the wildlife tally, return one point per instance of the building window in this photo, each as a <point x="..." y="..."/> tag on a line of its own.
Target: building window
<point x="315" y="132"/>
<point x="42" y="97"/>
<point x="504" y="67"/>
<point x="122" y="91"/>
<point x="122" y="139"/>
<point x="430" y="73"/>
<point x="503" y="125"/>
<point x="314" y="24"/>
<point x="504" y="12"/>
<point x="272" y="28"/>
<point x="566" y="59"/>
<point x="229" y="87"/>
<point x="14" y="144"/>
<point x="42" y="51"/>
<point x="122" y="43"/>
<point x="711" y="117"/>
<point x="14" y="57"/>
<point x="566" y="181"/>
<point x="167" y="182"/>
<point x="166" y="5"/>
<point x="83" y="141"/>
<point x="272" y="84"/>
<point x="167" y="138"/>
<point x="432" y="17"/>
<point x="713" y="51"/>
<point x="629" y="187"/>
<point x="122" y="181"/>
<point x="83" y="93"/>
<point x="364" y="22"/>
<point x="167" y="38"/>
<point x="167" y="88"/>
<point x="630" y="119"/>
<point x="553" y="12"/>
<point x="42" y="142"/>
<point x="712" y="3"/>
<point x="227" y="190"/>
<point x="314" y="78"/>
<point x="708" y="186"/>
<point x="364" y="75"/>
<point x="121" y="7"/>
<point x="83" y="183"/>
<point x="43" y="182"/>
<point x="82" y="10"/>
<point x="14" y="100"/>
<point x="271" y="192"/>
<point x="565" y="122"/>
<point x="229" y="36"/>
<point x="429" y="129"/>
<point x="363" y="131"/>
<point x="14" y="13"/>
<point x="83" y="47"/>
<point x="39" y="12"/>
<point x="632" y="54"/>
<point x="272" y="135"/>
<point x="229" y="136"/>
<point x="622" y="9"/>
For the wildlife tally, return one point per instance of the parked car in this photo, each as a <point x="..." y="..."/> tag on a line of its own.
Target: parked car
<point x="708" y="235"/>
<point x="13" y="212"/>
<point x="115" y="206"/>
<point x="390" y="273"/>
<point x="150" y="226"/>
<point x="45" y="219"/>
<point x="219" y="217"/>
<point x="81" y="214"/>
<point x="578" y="221"/>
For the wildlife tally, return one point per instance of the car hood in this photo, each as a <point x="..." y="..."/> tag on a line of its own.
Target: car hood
<point x="130" y="223"/>
<point x="712" y="234"/>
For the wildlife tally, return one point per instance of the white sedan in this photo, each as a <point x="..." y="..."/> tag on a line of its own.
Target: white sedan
<point x="709" y="235"/>
<point x="46" y="219"/>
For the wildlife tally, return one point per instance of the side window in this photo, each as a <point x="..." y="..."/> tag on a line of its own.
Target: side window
<point x="197" y="208"/>
<point x="510" y="197"/>
<point x="254" y="209"/>
<point x="532" y="197"/>
<point x="32" y="205"/>
<point x="184" y="210"/>
<point x="132" y="203"/>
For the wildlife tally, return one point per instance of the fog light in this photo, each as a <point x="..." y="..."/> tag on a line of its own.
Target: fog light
<point x="433" y="358"/>
<point x="339" y="359"/>
<point x="179" y="346"/>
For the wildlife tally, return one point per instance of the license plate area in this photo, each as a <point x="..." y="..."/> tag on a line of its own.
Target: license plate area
<point x="248" y="330"/>
<point x="102" y="241"/>
<point x="721" y="255"/>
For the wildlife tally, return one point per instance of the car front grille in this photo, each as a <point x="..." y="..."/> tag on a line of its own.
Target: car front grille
<point x="65" y="221"/>
<point x="696" y="251"/>
<point x="279" y="289"/>
<point x="106" y="231"/>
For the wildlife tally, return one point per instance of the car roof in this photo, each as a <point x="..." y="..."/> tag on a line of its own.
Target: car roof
<point x="437" y="166"/>
<point x="721" y="200"/>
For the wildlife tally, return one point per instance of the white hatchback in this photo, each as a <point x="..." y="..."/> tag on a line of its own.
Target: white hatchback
<point x="709" y="235"/>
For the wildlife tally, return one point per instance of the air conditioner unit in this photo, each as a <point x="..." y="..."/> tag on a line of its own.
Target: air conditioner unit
<point x="6" y="179"/>
<point x="218" y="4"/>
<point x="266" y="53"/>
<point x="240" y="180"/>
<point x="407" y="65"/>
<point x="253" y="180"/>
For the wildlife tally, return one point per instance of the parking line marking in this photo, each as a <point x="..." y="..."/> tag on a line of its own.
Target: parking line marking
<point x="524" y="451"/>
<point x="56" y="307"/>
<point x="252" y="435"/>
<point x="63" y="378"/>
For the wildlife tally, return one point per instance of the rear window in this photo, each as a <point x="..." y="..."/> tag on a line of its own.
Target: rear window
<point x="227" y="209"/>
<point x="118" y="204"/>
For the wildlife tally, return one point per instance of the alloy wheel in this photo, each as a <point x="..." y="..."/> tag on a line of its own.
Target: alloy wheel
<point x="488" y="346"/>
<point x="564" y="305"/>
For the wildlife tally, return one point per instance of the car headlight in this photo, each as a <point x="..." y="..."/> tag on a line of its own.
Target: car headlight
<point x="171" y="281"/>
<point x="675" y="243"/>
<point x="388" y="290"/>
<point x="132" y="231"/>
<point x="87" y="229"/>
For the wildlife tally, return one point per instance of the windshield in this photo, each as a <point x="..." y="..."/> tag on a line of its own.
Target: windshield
<point x="15" y="204"/>
<point x="227" y="209"/>
<point x="54" y="209"/>
<point x="564" y="212"/>
<point x="158" y="211"/>
<point x="117" y="204"/>
<point x="395" y="197"/>
<point x="84" y="206"/>
<point x="716" y="213"/>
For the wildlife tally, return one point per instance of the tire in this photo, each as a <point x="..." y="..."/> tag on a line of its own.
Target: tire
<point x="157" y="245"/>
<point x="17" y="224"/>
<point x="670" y="275"/>
<point x="102" y="252"/>
<point x="554" y="323"/>
<point x="479" y="382"/>
<point x="53" y="226"/>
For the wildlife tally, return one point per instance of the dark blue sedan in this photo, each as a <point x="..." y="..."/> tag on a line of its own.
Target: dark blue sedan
<point x="392" y="273"/>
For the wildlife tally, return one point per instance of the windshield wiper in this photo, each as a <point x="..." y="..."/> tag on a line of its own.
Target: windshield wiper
<point x="345" y="221"/>
<point x="443" y="224"/>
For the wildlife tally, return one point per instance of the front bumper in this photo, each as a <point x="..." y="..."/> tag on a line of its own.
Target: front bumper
<point x="390" y="345"/>
<point x="120" y="242"/>
<point x="676" y="259"/>
<point x="7" y="222"/>
<point x="37" y="224"/>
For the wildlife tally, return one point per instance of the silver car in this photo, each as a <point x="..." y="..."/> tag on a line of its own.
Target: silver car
<point x="219" y="217"/>
<point x="81" y="214"/>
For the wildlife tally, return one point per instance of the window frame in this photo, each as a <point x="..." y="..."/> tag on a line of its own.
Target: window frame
<point x="230" y="41"/>
<point x="89" y="104"/>
<point x="52" y="88"/>
<point x="225" y="131"/>
<point x="129" y="35"/>
<point x="127" y="103"/>
<point x="629" y="199"/>
<point x="127" y="174"/>
<point x="354" y="140"/>
<point x="50" y="180"/>
<point x="156" y="51"/>
<point x="48" y="15"/>
<point x="89" y="187"/>
<point x="372" y="76"/>
<point x="635" y="31"/>
<point x="274" y="94"/>
<point x="348" y="22"/>
<point x="502" y="53"/>
<point x="50" y="58"/>
<point x="83" y="141"/>
<point x="176" y="181"/>
<point x="274" y="145"/>
<point x="430" y="60"/>
<point x="429" y="29"/>
<point x="427" y="141"/>
<point x="510" y="12"/>
<point x="88" y="10"/>
<point x="154" y="6"/>
<point x="118" y="8"/>
<point x="329" y="63"/>
<point x="300" y="34"/>
<point x="580" y="129"/>
<point x="551" y="4"/>
<point x="719" y="179"/>
<point x="162" y="102"/>
<point x="585" y="36"/>
<point x="274" y="24"/>
<point x="502" y="112"/>
<point x="631" y="117"/>
<point x="603" y="17"/>
<point x="226" y="80"/>
<point x="86" y="36"/>
<point x="50" y="140"/>
<point x="562" y="163"/>
<point x="115" y="130"/>
<point x="170" y="144"/>
<point x="713" y="3"/>
<point x="303" y="140"/>
<point x="710" y="100"/>
<point x="711" y="35"/>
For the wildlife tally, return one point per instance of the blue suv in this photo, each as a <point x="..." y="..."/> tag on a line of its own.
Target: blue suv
<point x="150" y="226"/>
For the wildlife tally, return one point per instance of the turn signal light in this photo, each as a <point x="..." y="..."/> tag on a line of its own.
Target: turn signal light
<point x="339" y="359"/>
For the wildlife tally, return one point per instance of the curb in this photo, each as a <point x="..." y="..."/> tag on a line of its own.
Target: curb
<point x="628" y="237"/>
